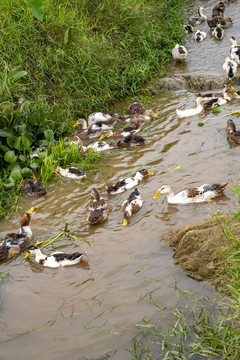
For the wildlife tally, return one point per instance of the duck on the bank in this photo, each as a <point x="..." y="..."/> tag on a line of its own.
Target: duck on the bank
<point x="127" y="183"/>
<point x="14" y="243"/>
<point x="131" y="206"/>
<point x="136" y="107"/>
<point x="218" y="10"/>
<point x="191" y="112"/>
<point x="188" y="29"/>
<point x="98" y="210"/>
<point x="234" y="133"/>
<point x="56" y="259"/>
<point x="203" y="193"/>
<point x="218" y="32"/>
<point x="100" y="116"/>
<point x="179" y="52"/>
<point x="235" y="50"/>
<point x="230" y="66"/>
<point x="227" y="92"/>
<point x="199" y="18"/>
<point x="227" y="21"/>
<point x="32" y="187"/>
<point x="200" y="36"/>
<point x="71" y="173"/>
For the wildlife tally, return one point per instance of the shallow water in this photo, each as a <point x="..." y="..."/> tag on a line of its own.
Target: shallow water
<point x="85" y="311"/>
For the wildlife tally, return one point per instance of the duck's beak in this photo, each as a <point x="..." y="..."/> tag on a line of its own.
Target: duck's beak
<point x="149" y="173"/>
<point x="125" y="222"/>
<point x="27" y="255"/>
<point x="126" y="121"/>
<point x="101" y="137"/>
<point x="30" y="211"/>
<point x="234" y="94"/>
<point x="155" y="115"/>
<point x="157" y="195"/>
<point x="232" y="87"/>
<point x="76" y="123"/>
<point x="13" y="253"/>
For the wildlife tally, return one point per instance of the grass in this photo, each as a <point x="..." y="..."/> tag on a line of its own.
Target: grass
<point x="197" y="332"/>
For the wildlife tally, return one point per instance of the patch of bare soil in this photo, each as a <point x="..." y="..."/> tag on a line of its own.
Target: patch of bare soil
<point x="198" y="247"/>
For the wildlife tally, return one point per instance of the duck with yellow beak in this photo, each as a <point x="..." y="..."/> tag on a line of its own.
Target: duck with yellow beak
<point x="14" y="243"/>
<point x="131" y="206"/>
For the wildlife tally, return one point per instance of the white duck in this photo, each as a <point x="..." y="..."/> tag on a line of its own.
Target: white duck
<point x="235" y="50"/>
<point x="100" y="116"/>
<point x="218" y="32"/>
<point x="200" y="36"/>
<point x="191" y="112"/>
<point x="198" y="19"/>
<point x="71" y="173"/>
<point x="179" y="52"/>
<point x="56" y="259"/>
<point x="203" y="193"/>
<point x="230" y="66"/>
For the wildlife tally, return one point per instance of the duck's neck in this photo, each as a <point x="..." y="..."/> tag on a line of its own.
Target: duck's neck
<point x="201" y="14"/>
<point x="39" y="256"/>
<point x="138" y="176"/>
<point x="234" y="43"/>
<point x="26" y="230"/>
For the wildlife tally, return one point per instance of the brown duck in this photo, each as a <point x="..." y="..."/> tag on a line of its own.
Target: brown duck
<point x="136" y="107"/>
<point x="98" y="210"/>
<point x="234" y="134"/>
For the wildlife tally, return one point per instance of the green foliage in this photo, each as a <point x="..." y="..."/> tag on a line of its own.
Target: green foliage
<point x="36" y="8"/>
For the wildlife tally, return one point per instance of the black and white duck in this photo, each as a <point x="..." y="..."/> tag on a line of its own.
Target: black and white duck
<point x="98" y="210"/>
<point x="56" y="259"/>
<point x="71" y="173"/>
<point x="230" y="66"/>
<point x="102" y="116"/>
<point x="131" y="206"/>
<point x="179" y="52"/>
<point x="218" y="32"/>
<point x="127" y="183"/>
<point x="14" y="243"/>
<point x="235" y="50"/>
<point x="199" y="36"/>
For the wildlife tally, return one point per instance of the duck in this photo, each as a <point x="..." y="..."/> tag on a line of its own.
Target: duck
<point x="14" y="243"/>
<point x="32" y="187"/>
<point x="230" y="66"/>
<point x="214" y="102"/>
<point x="188" y="29"/>
<point x="179" y="52"/>
<point x="87" y="132"/>
<point x="218" y="10"/>
<point x="203" y="193"/>
<point x="234" y="134"/>
<point x="235" y="50"/>
<point x="130" y="140"/>
<point x="136" y="107"/>
<point x="226" y="93"/>
<point x="198" y="19"/>
<point x="56" y="259"/>
<point x="237" y="94"/>
<point x="134" y="129"/>
<point x="200" y="36"/>
<point x="227" y="21"/>
<point x="101" y="146"/>
<point x="100" y="116"/>
<point x="71" y="173"/>
<point x="191" y="112"/>
<point x="98" y="125"/>
<point x="131" y="206"/>
<point x="131" y="119"/>
<point x="98" y="210"/>
<point x="127" y="183"/>
<point x="218" y="32"/>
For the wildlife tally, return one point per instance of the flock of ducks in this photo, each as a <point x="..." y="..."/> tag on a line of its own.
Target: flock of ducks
<point x="100" y="125"/>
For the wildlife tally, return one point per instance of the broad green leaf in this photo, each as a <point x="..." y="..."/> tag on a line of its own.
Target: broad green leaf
<point x="17" y="143"/>
<point x="19" y="74"/>
<point x="34" y="119"/>
<point x="25" y="107"/>
<point x="10" y="141"/>
<point x="36" y="8"/>
<point x="201" y="124"/>
<point x="43" y="143"/>
<point x="21" y="128"/>
<point x="4" y="148"/>
<point x="22" y="158"/>
<point x="10" y="156"/>
<point x="26" y="172"/>
<point x="67" y="36"/>
<point x="216" y="110"/>
<point x="55" y="109"/>
<point x="6" y="104"/>
<point x="49" y="135"/>
<point x="26" y="143"/>
<point x="6" y="132"/>
<point x="16" y="174"/>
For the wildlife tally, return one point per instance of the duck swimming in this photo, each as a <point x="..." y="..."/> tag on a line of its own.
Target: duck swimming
<point x="234" y="134"/>
<point x="218" y="10"/>
<point x="179" y="52"/>
<point x="136" y="107"/>
<point x="200" y="36"/>
<point x="56" y="259"/>
<point x="98" y="210"/>
<point x="100" y="116"/>
<point x="218" y="32"/>
<point x="221" y="20"/>
<point x="127" y="183"/>
<point x="141" y="118"/>
<point x="131" y="206"/>
<point x="230" y="66"/>
<point x="32" y="187"/>
<point x="228" y="90"/>
<point x="235" y="50"/>
<point x="14" y="243"/>
<point x="191" y="112"/>
<point x="198" y="19"/>
<point x="203" y="193"/>
<point x="71" y="173"/>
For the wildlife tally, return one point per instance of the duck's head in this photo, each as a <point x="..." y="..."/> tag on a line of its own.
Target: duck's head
<point x="150" y="112"/>
<point x="13" y="251"/>
<point x="81" y="122"/>
<point x="163" y="190"/>
<point x="231" y="125"/>
<point x="26" y="217"/>
<point x="107" y="133"/>
<point x="228" y="19"/>
<point x="232" y="39"/>
<point x="32" y="250"/>
<point x="126" y="217"/>
<point x="95" y="194"/>
<point x="142" y="173"/>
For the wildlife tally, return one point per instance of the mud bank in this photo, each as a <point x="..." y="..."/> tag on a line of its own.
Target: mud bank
<point x="198" y="248"/>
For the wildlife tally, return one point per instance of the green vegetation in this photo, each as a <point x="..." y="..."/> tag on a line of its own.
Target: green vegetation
<point x="63" y="60"/>
<point x="195" y="332"/>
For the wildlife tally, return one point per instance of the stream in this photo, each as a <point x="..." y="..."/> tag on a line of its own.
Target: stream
<point x="88" y="310"/>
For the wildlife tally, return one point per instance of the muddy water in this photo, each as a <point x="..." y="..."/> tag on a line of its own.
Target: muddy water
<point x="85" y="311"/>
